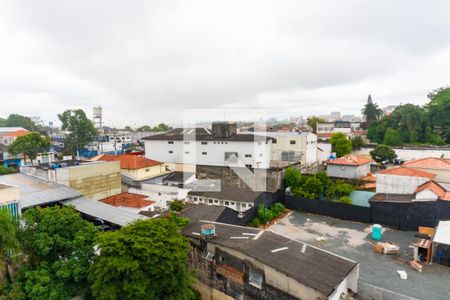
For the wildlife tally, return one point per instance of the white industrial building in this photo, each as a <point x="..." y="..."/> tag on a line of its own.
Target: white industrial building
<point x="219" y="146"/>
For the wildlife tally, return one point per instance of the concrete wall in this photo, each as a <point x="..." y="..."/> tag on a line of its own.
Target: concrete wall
<point x="305" y="147"/>
<point x="426" y="195"/>
<point x="340" y="171"/>
<point x="96" y="180"/>
<point x="394" y="184"/>
<point x="325" y="153"/>
<point x="411" y="153"/>
<point x="441" y="175"/>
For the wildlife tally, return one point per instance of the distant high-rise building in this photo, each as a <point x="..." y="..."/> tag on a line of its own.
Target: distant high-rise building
<point x="98" y="118"/>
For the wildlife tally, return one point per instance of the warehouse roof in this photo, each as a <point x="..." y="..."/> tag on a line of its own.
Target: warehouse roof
<point x="203" y="134"/>
<point x="104" y="211"/>
<point x="35" y="191"/>
<point x="313" y="267"/>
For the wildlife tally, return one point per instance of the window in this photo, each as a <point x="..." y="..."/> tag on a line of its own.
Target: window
<point x="204" y="153"/>
<point x="250" y="205"/>
<point x="248" y="155"/>
<point x="208" y="255"/>
<point x="204" y="143"/>
<point x="159" y="194"/>
<point x="187" y="152"/>
<point x="249" y="166"/>
<point x="210" y="201"/>
<point x="216" y="201"/>
<point x="170" y="142"/>
<point x="244" y="205"/>
<point x="195" y="199"/>
<point x="255" y="279"/>
<point x="186" y="142"/>
<point x="260" y="155"/>
<point x="170" y="152"/>
<point x="292" y="142"/>
<point x="232" y="203"/>
<point x="227" y="203"/>
<point x="147" y="170"/>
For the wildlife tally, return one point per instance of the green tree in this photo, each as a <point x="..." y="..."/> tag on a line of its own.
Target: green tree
<point x="341" y="144"/>
<point x="6" y="170"/>
<point x="9" y="246"/>
<point x="292" y="177"/>
<point x="383" y="153"/>
<point x="357" y="142"/>
<point x="16" y="120"/>
<point x="59" y="246"/>
<point x="339" y="189"/>
<point x="176" y="205"/>
<point x="128" y="128"/>
<point x="312" y="122"/>
<point x="29" y="145"/>
<point x="81" y="129"/>
<point x="371" y="111"/>
<point x="144" y="128"/>
<point x="392" y="138"/>
<point x="144" y="260"/>
<point x="438" y="110"/>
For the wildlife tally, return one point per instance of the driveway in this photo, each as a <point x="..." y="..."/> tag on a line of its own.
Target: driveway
<point x="351" y="240"/>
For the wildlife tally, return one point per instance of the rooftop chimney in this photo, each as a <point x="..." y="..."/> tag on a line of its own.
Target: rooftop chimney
<point x="223" y="129"/>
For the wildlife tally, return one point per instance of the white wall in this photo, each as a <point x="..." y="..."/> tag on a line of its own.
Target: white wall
<point x="305" y="147"/>
<point x="410" y="154"/>
<point x="233" y="204"/>
<point x="192" y="152"/>
<point x="395" y="184"/>
<point x="426" y="195"/>
<point x="161" y="193"/>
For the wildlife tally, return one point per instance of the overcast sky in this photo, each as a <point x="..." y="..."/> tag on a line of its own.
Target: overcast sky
<point x="146" y="61"/>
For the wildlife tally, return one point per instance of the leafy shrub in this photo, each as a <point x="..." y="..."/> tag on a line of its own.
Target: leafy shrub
<point x="278" y="208"/>
<point x="176" y="205"/>
<point x="6" y="170"/>
<point x="345" y="200"/>
<point x="255" y="222"/>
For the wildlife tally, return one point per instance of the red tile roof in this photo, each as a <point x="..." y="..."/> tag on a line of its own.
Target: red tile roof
<point x="435" y="188"/>
<point x="16" y="133"/>
<point x="131" y="162"/>
<point x="429" y="163"/>
<point x="351" y="160"/>
<point x="404" y="171"/>
<point x="128" y="200"/>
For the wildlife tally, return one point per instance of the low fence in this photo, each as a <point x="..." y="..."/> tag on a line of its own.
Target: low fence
<point x="403" y="216"/>
<point x="411" y="215"/>
<point x="329" y="208"/>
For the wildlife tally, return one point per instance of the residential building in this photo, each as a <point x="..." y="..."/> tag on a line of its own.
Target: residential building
<point x="219" y="146"/>
<point x="137" y="167"/>
<point x="131" y="202"/>
<point x="349" y="167"/>
<point x="162" y="189"/>
<point x="95" y="180"/>
<point x="234" y="262"/>
<point x="401" y="180"/>
<point x="9" y="199"/>
<point x="350" y="129"/>
<point x="323" y="152"/>
<point x="238" y="199"/>
<point x="288" y="147"/>
<point x="7" y="138"/>
<point x="438" y="166"/>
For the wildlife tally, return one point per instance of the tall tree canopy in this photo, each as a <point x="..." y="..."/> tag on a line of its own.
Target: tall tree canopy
<point x="59" y="246"/>
<point x="30" y="145"/>
<point x="81" y="129"/>
<point x="413" y="123"/>
<point x="439" y="112"/>
<point x="152" y="263"/>
<point x="371" y="111"/>
<point x="16" y="120"/>
<point x="341" y="144"/>
<point x="312" y="122"/>
<point x="9" y="246"/>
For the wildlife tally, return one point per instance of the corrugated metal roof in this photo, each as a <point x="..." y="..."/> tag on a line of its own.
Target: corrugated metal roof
<point x="35" y="191"/>
<point x="104" y="211"/>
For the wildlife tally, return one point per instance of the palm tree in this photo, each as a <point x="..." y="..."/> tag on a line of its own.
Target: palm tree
<point x="371" y="111"/>
<point x="9" y="245"/>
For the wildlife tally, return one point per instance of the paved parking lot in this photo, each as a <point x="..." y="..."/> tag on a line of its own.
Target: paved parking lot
<point x="351" y="240"/>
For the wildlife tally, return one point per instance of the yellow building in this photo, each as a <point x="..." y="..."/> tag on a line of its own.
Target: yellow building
<point x="137" y="167"/>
